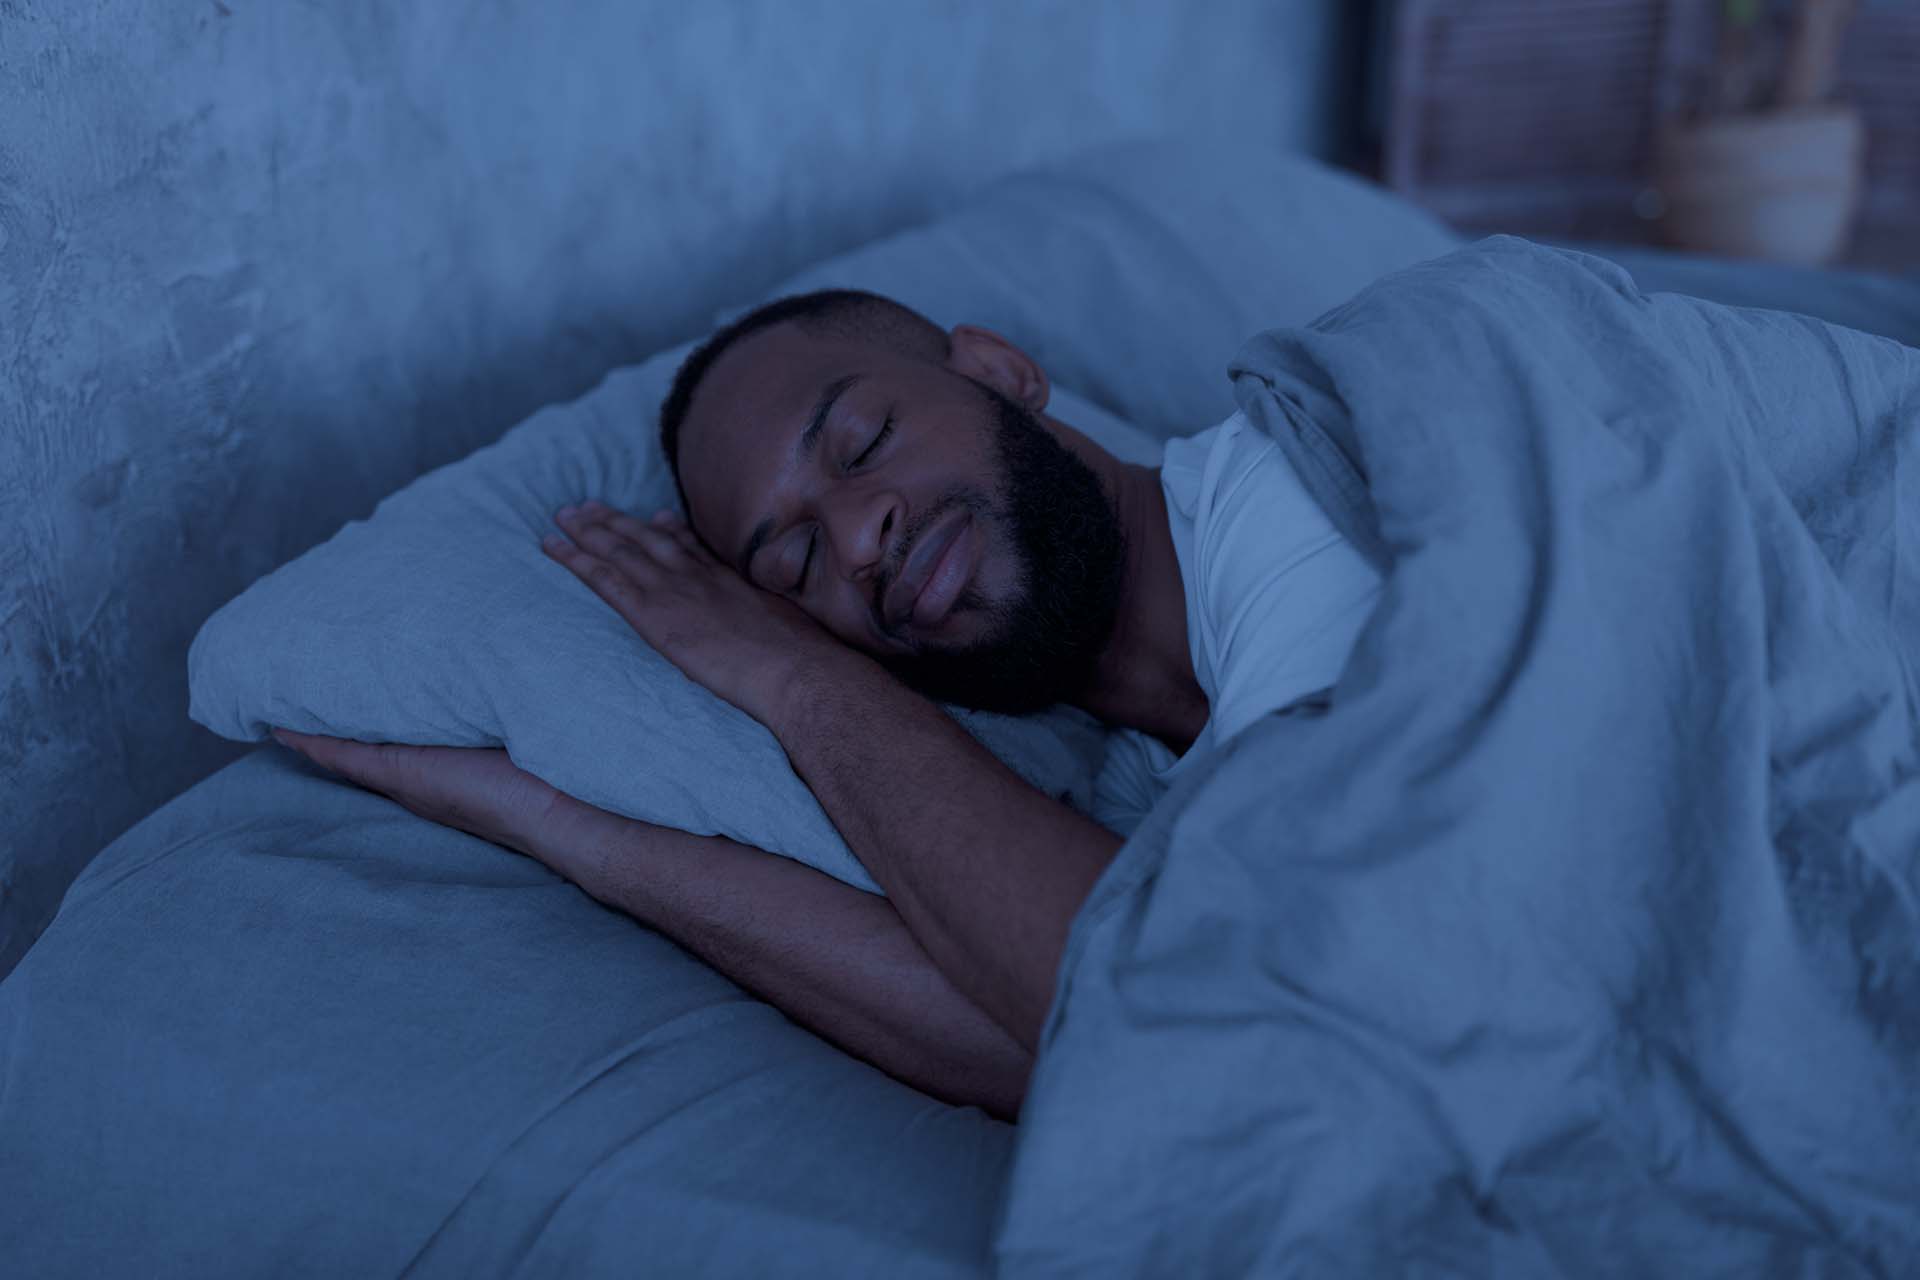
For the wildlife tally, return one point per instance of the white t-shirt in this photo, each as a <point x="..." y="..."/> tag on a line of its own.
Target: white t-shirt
<point x="1275" y="600"/>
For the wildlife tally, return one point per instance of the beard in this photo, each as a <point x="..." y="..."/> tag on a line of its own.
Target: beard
<point x="1070" y="557"/>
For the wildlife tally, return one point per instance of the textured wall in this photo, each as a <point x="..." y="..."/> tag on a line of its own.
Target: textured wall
<point x="264" y="261"/>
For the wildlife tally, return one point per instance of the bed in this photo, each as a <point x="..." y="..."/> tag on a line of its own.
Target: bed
<point x="279" y="1026"/>
<point x="284" y="1027"/>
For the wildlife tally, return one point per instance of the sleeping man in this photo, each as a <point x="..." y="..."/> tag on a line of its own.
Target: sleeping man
<point x="880" y="514"/>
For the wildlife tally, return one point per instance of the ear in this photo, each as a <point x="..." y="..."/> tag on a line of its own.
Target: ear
<point x="987" y="357"/>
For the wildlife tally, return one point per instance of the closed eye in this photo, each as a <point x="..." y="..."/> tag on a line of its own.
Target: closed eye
<point x="886" y="429"/>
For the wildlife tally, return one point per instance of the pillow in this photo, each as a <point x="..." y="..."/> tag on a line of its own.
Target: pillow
<point x="439" y="620"/>
<point x="1130" y="272"/>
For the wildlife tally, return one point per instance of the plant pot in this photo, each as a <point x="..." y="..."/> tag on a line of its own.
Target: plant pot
<point x="1782" y="186"/>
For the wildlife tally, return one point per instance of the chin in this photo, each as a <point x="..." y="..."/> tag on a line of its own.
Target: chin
<point x="955" y="633"/>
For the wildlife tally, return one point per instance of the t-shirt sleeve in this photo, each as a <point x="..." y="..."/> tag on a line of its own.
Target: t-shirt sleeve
<point x="1284" y="596"/>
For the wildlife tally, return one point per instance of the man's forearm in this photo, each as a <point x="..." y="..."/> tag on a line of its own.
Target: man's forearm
<point x="835" y="959"/>
<point x="987" y="871"/>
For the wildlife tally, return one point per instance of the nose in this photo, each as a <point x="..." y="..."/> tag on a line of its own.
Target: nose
<point x="860" y="527"/>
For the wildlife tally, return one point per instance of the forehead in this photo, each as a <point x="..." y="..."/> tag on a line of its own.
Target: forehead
<point x="745" y="419"/>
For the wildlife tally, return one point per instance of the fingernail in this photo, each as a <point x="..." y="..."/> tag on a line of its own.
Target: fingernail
<point x="566" y="511"/>
<point x="275" y="735"/>
<point x="552" y="540"/>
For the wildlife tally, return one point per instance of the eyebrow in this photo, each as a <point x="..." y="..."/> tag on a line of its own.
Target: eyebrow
<point x="809" y="441"/>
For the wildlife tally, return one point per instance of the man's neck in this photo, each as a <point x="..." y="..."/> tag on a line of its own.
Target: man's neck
<point x="1144" y="677"/>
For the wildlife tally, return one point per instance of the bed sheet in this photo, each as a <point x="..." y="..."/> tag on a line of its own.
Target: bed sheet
<point x="1885" y="303"/>
<point x="394" y="1049"/>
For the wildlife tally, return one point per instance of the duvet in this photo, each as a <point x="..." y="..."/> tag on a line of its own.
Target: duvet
<point x="1574" y="932"/>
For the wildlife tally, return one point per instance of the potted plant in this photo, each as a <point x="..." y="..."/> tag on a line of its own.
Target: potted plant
<point x="1766" y="170"/>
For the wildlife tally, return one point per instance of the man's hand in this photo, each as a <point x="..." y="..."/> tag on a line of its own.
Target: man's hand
<point x="725" y="633"/>
<point x="474" y="789"/>
<point x="985" y="870"/>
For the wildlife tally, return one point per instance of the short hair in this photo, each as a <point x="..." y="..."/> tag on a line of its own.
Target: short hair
<point x="836" y="313"/>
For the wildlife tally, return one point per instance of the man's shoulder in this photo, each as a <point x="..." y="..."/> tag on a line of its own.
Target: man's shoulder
<point x="1191" y="470"/>
<point x="1246" y="508"/>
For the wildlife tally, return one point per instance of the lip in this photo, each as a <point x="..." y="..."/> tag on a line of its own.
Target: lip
<point x="931" y="579"/>
<point x="950" y="573"/>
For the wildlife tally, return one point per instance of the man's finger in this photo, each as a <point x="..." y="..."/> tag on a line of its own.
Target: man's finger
<point x="659" y="544"/>
<point x="626" y="542"/>
<point x="585" y="562"/>
<point x="590" y="530"/>
<point x="307" y="744"/>
<point x="610" y="583"/>
<point x="357" y="761"/>
<point x="620" y="539"/>
<point x="619" y="521"/>
<point x="683" y="533"/>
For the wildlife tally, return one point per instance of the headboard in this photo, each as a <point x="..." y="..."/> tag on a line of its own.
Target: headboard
<point x="263" y="263"/>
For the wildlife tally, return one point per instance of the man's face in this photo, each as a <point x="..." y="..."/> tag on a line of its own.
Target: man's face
<point x="918" y="515"/>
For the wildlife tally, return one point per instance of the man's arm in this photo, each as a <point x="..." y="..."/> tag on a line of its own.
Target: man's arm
<point x="837" y="960"/>
<point x="986" y="871"/>
<point x="833" y="958"/>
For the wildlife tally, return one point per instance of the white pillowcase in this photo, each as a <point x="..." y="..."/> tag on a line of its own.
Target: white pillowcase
<point x="439" y="620"/>
<point x="1131" y="272"/>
